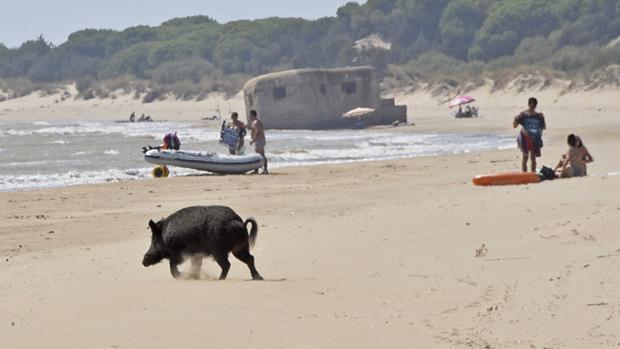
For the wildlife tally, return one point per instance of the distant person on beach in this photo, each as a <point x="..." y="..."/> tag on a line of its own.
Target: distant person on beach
<point x="240" y="127"/>
<point x="573" y="162"/>
<point x="530" y="137"/>
<point x="258" y="137"/>
<point x="132" y="117"/>
<point x="142" y="118"/>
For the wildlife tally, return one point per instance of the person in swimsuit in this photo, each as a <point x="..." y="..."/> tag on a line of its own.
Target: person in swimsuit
<point x="240" y="127"/>
<point x="530" y="138"/>
<point x="573" y="162"/>
<point x="258" y="137"/>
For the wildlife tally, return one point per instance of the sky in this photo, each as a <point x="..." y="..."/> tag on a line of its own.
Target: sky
<point x="22" y="20"/>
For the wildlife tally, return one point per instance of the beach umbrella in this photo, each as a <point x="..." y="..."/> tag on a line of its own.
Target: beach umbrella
<point x="460" y="100"/>
<point x="358" y="112"/>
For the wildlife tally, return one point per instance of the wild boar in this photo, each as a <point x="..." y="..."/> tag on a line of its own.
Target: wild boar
<point x="202" y="231"/>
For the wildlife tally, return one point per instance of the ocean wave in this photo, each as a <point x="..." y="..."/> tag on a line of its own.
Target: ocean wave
<point x="38" y="181"/>
<point x="111" y="152"/>
<point x="391" y="147"/>
<point x="149" y="130"/>
<point x="72" y="178"/>
<point x="14" y="132"/>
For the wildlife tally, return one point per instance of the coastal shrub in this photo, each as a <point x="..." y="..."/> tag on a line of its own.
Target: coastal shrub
<point x="184" y="70"/>
<point x="87" y="94"/>
<point x="604" y="57"/>
<point x="152" y="95"/>
<point x="571" y="58"/>
<point x="84" y="83"/>
<point x="184" y="90"/>
<point x="508" y="24"/>
<point x="533" y="50"/>
<point x="18" y="87"/>
<point x="123" y="83"/>
<point x="458" y="25"/>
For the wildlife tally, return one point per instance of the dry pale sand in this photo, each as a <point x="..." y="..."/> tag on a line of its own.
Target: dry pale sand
<point x="361" y="255"/>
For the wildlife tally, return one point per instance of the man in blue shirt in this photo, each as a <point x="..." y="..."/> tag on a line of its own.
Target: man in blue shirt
<point x="530" y="138"/>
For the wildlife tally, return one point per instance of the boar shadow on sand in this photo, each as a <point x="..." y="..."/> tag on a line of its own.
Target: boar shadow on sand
<point x="202" y="231"/>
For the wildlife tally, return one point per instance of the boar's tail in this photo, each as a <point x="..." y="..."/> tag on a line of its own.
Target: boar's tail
<point x="253" y="231"/>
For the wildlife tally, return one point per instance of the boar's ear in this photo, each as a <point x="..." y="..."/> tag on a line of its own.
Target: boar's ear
<point x="154" y="228"/>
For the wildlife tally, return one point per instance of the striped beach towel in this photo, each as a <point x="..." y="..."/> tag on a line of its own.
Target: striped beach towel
<point x="229" y="136"/>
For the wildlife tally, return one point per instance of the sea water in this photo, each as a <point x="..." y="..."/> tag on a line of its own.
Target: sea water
<point x="46" y="155"/>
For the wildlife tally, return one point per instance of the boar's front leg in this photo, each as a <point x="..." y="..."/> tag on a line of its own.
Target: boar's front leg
<point x="174" y="262"/>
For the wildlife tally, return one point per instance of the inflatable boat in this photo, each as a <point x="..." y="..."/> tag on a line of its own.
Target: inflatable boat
<point x="204" y="161"/>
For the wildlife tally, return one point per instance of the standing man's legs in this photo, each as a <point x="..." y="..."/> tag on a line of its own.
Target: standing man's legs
<point x="533" y="157"/>
<point x="524" y="162"/>
<point x="261" y="151"/>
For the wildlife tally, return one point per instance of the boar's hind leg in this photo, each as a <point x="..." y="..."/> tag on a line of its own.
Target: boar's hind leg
<point x="245" y="256"/>
<point x="222" y="261"/>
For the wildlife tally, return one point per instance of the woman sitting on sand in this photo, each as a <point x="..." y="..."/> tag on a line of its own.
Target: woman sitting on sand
<point x="573" y="163"/>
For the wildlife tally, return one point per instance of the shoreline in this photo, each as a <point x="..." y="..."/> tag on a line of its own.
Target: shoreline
<point x="272" y="166"/>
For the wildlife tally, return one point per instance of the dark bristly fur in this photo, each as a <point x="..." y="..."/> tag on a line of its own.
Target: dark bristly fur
<point x="202" y="231"/>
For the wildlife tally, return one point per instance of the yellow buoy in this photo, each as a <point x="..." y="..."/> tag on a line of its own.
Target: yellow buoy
<point x="160" y="171"/>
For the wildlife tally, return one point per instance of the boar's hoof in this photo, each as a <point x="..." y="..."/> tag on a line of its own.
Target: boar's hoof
<point x="175" y="272"/>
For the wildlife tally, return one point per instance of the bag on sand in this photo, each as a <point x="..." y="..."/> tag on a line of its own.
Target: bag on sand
<point x="546" y="173"/>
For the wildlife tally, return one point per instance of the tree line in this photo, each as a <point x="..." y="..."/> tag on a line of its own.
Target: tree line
<point x="565" y="35"/>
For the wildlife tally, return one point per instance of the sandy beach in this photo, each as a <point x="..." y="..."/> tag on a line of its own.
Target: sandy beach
<point x="358" y="255"/>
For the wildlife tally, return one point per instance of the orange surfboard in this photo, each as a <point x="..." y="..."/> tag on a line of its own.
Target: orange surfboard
<point x="508" y="178"/>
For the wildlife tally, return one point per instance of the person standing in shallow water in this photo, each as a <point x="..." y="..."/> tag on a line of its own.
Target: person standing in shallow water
<point x="530" y="137"/>
<point x="258" y="137"/>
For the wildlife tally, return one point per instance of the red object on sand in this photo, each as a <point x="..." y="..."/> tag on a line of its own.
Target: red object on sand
<point x="508" y="178"/>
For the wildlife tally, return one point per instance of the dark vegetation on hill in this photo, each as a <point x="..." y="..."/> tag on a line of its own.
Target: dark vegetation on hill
<point x="431" y="40"/>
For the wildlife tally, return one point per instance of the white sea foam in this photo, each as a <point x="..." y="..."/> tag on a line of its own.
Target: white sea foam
<point x="71" y="178"/>
<point x="40" y="123"/>
<point x="14" y="132"/>
<point x="150" y="130"/>
<point x="111" y="152"/>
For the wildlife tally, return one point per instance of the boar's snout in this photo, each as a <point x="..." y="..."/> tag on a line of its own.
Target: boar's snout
<point x="145" y="261"/>
<point x="150" y="259"/>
